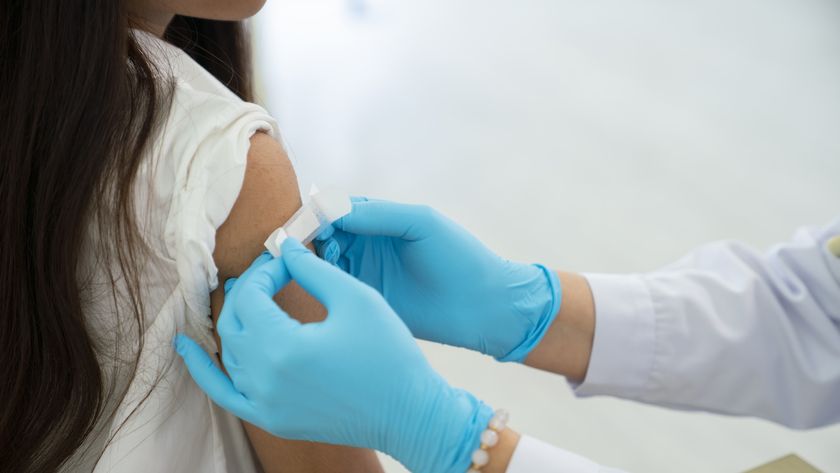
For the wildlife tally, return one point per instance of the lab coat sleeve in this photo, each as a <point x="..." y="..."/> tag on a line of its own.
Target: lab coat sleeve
<point x="726" y="329"/>
<point x="534" y="456"/>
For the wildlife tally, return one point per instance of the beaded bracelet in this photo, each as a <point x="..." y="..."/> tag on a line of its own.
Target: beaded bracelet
<point x="489" y="439"/>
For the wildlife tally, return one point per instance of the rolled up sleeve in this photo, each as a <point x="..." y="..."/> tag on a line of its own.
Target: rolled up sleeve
<point x="726" y="329"/>
<point x="625" y="331"/>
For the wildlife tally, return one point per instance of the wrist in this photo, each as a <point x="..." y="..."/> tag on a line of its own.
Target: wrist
<point x="567" y="345"/>
<point x="538" y="304"/>
<point x="442" y="433"/>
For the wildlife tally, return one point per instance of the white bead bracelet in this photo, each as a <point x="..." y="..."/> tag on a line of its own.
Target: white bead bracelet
<point x="489" y="439"/>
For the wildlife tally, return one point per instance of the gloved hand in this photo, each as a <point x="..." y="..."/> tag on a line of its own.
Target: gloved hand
<point x="444" y="283"/>
<point x="358" y="378"/>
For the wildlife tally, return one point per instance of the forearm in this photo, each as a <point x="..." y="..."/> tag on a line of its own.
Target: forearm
<point x="662" y="336"/>
<point x="283" y="456"/>
<point x="567" y="345"/>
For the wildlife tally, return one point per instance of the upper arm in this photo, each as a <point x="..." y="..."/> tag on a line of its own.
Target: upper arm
<point x="269" y="196"/>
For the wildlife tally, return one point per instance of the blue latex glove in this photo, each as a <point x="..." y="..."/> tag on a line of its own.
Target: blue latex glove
<point x="358" y="378"/>
<point x="444" y="283"/>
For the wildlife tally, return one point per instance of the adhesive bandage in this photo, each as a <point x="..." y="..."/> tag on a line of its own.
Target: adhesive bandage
<point x="314" y="217"/>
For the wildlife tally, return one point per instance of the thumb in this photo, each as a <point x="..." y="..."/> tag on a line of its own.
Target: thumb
<point x="210" y="378"/>
<point x="319" y="278"/>
<point x="383" y="218"/>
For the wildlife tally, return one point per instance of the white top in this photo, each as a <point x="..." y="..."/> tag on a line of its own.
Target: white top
<point x="725" y="329"/>
<point x="186" y="187"/>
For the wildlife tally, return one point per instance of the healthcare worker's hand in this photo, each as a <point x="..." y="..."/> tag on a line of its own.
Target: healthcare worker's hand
<point x="444" y="283"/>
<point x="358" y="378"/>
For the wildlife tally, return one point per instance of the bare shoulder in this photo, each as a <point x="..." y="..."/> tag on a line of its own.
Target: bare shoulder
<point x="269" y="196"/>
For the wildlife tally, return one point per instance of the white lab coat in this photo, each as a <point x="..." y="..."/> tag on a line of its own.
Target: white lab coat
<point x="725" y="329"/>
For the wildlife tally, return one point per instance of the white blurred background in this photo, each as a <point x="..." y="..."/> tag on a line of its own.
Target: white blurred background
<point x="603" y="135"/>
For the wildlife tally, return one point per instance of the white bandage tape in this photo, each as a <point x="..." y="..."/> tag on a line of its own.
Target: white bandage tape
<point x="314" y="217"/>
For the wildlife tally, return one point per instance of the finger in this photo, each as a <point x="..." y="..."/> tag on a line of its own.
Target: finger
<point x="324" y="281"/>
<point x="269" y="277"/>
<point x="344" y="240"/>
<point x="384" y="219"/>
<point x="338" y="250"/>
<point x="335" y="251"/>
<point x="325" y="234"/>
<point x="228" y="322"/>
<point x="329" y="250"/>
<point x="255" y="305"/>
<point x="231" y="284"/>
<point x="260" y="260"/>
<point x="328" y="232"/>
<point x="210" y="378"/>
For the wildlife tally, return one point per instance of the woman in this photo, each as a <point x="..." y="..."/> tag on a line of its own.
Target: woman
<point x="127" y="166"/>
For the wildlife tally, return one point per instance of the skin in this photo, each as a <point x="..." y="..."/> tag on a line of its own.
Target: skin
<point x="269" y="196"/>
<point x="154" y="15"/>
<point x="565" y="350"/>
<point x="567" y="345"/>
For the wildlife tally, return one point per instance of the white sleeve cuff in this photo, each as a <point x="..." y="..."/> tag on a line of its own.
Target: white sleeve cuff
<point x="535" y="456"/>
<point x="625" y="334"/>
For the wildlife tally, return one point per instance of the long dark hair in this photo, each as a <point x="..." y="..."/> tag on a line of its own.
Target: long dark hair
<point x="79" y="103"/>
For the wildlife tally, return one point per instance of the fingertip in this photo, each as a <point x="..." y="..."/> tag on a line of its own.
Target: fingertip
<point x="326" y="234"/>
<point x="329" y="251"/>
<point x="187" y="349"/>
<point x="314" y="275"/>
<point x="180" y="343"/>
<point x="291" y="247"/>
<point x="210" y="378"/>
<point x="264" y="257"/>
<point x="354" y="202"/>
<point x="271" y="277"/>
<point x="378" y="218"/>
<point x="260" y="260"/>
<point x="229" y="284"/>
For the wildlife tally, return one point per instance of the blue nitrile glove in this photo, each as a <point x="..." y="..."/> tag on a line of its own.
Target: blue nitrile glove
<point x="358" y="378"/>
<point x="444" y="283"/>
